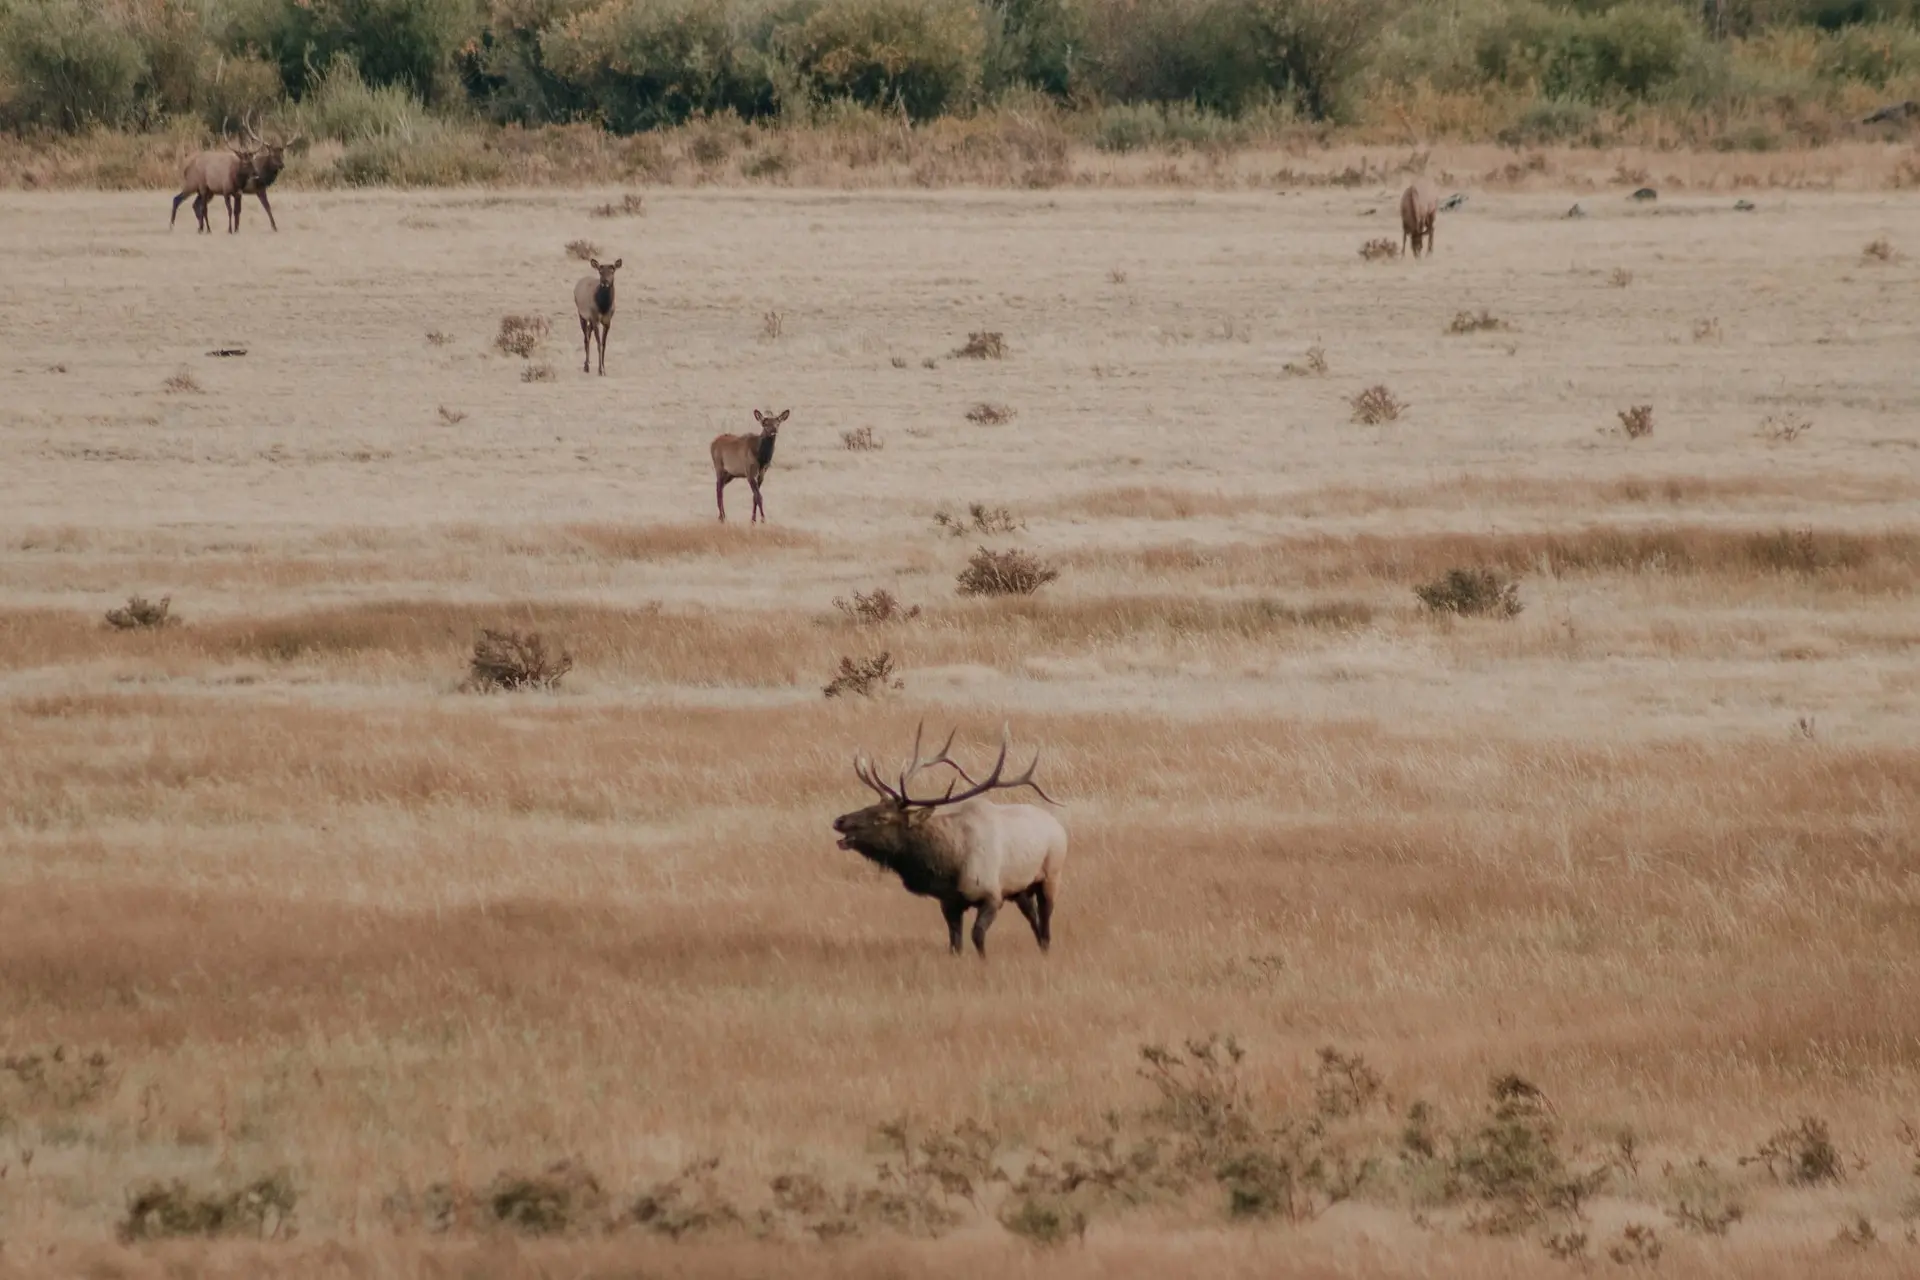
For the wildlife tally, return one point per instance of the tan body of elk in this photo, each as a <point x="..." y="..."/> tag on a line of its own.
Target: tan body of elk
<point x="231" y="174"/>
<point x="209" y="174"/>
<point x="1419" y="207"/>
<point x="745" y="457"/>
<point x="593" y="298"/>
<point x="961" y="850"/>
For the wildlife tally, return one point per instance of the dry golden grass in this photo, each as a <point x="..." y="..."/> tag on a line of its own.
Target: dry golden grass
<point x="1646" y="843"/>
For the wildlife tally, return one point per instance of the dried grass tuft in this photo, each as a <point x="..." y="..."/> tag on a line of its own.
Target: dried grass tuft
<point x="1379" y="249"/>
<point x="990" y="415"/>
<point x="1375" y="405"/>
<point x="860" y="440"/>
<point x="631" y="205"/>
<point x="514" y="660"/>
<point x="1468" y="322"/>
<point x="183" y="383"/>
<point x="1637" y="422"/>
<point x="1005" y="573"/>
<point x="521" y="335"/>
<point x="1472" y="593"/>
<point x="864" y="677"/>
<point x="539" y="373"/>
<point x="982" y="346"/>
<point x="875" y="607"/>
<point x="582" y="249"/>
<point x="141" y="614"/>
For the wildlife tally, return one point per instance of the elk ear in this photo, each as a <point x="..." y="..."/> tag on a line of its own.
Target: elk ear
<point x="617" y="262"/>
<point x="784" y="415"/>
<point x="757" y="417"/>
<point x="918" y="817"/>
<point x="594" y="263"/>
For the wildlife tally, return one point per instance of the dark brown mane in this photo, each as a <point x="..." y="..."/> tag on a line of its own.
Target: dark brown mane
<point x="763" y="451"/>
<point x="603" y="297"/>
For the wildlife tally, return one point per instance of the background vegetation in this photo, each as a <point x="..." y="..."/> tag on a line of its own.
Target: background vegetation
<point x="390" y="80"/>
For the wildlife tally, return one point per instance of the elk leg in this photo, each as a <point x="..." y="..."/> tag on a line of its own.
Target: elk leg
<point x="955" y="910"/>
<point x="759" y="511"/>
<point x="720" y="496"/>
<point x="604" y="326"/>
<point x="586" y="345"/>
<point x="176" y="209"/>
<point x="268" y="208"/>
<point x="982" y="921"/>
<point x="199" y="211"/>
<point x="1028" y="902"/>
<point x="1044" y="892"/>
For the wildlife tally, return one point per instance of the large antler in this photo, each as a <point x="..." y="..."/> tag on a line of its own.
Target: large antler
<point x="993" y="781"/>
<point x="246" y="122"/>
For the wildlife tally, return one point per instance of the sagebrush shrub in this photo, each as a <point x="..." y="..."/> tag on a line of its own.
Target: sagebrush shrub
<point x="1472" y="593"/>
<point x="1004" y="573"/>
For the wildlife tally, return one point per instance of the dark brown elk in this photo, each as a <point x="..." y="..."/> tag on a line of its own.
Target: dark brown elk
<point x="961" y="850"/>
<point x="745" y="457"/>
<point x="593" y="299"/>
<point x="265" y="162"/>
<point x="1419" y="207"/>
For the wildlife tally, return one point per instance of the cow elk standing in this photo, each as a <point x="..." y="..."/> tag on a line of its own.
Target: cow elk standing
<point x="960" y="849"/>
<point x="1419" y="206"/>
<point x="745" y="457"/>
<point x="593" y="298"/>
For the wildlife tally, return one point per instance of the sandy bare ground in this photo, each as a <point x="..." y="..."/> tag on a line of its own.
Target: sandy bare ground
<point x="1649" y="844"/>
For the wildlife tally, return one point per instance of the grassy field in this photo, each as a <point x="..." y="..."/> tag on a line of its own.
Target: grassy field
<point x="298" y="913"/>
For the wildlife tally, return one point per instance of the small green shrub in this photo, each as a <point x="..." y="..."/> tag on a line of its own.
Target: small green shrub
<point x="64" y="65"/>
<point x="641" y="64"/>
<point x="918" y="56"/>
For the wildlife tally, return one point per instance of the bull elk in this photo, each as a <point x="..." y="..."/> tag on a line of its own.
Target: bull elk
<point x="745" y="457"/>
<point x="958" y="848"/>
<point x="593" y="299"/>
<point x="230" y="174"/>
<point x="1419" y="207"/>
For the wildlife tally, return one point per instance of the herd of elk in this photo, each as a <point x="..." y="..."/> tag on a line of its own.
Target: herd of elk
<point x="232" y="174"/>
<point x="960" y="850"/>
<point x="745" y="457"/>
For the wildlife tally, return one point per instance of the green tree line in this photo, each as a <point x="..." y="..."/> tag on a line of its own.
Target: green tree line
<point x="633" y="65"/>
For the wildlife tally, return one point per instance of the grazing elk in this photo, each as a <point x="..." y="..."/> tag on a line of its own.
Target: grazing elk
<point x="1419" y="206"/>
<point x="593" y="298"/>
<point x="745" y="457"/>
<point x="962" y="850"/>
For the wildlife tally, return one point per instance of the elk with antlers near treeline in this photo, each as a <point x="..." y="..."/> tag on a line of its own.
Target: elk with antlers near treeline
<point x="960" y="849"/>
<point x="593" y="299"/>
<point x="230" y="174"/>
<point x="1419" y="208"/>
<point x="745" y="457"/>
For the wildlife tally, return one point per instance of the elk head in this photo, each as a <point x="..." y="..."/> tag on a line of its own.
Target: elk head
<point x="888" y="827"/>
<point x="267" y="158"/>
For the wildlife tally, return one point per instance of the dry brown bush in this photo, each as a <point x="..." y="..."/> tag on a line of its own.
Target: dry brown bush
<point x="435" y="338"/>
<point x="582" y="249"/>
<point x="631" y="205"/>
<point x="1620" y="278"/>
<point x="539" y="373"/>
<point x="160" y="1211"/>
<point x="1312" y="366"/>
<point x="1879" y="250"/>
<point x="140" y="614"/>
<point x="183" y="383"/>
<point x="1637" y="422"/>
<point x="1801" y="1155"/>
<point x="773" y="326"/>
<point x="452" y="417"/>
<point x="990" y="415"/>
<point x="1783" y="428"/>
<point x="1707" y="330"/>
<point x="864" y="676"/>
<point x="1472" y="593"/>
<point x="1379" y="249"/>
<point x="982" y="346"/>
<point x="515" y="660"/>
<point x="860" y="439"/>
<point x="1468" y="322"/>
<point x="1005" y="573"/>
<point x="1374" y="405"/>
<point x="521" y="335"/>
<point x="980" y="518"/>
<point x="873" y="607"/>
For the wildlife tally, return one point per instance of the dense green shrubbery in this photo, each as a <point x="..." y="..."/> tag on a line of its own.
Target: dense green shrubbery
<point x="1146" y="72"/>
